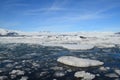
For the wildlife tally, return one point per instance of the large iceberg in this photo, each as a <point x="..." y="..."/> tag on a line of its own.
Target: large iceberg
<point x="78" y="62"/>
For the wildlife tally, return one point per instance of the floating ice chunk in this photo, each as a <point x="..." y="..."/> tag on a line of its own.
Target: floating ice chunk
<point x="69" y="70"/>
<point x="111" y="75"/>
<point x="3" y="77"/>
<point x="18" y="67"/>
<point x="97" y="74"/>
<point x="117" y="79"/>
<point x="13" y="76"/>
<point x="117" y="71"/>
<point x="59" y="74"/>
<point x="9" y="65"/>
<point x="1" y="70"/>
<point x="7" y="61"/>
<point x="104" y="68"/>
<point x="57" y="68"/>
<point x="84" y="75"/>
<point x="35" y="64"/>
<point x="79" y="47"/>
<point x="17" y="72"/>
<point x="24" y="78"/>
<point x="43" y="73"/>
<point x="78" y="62"/>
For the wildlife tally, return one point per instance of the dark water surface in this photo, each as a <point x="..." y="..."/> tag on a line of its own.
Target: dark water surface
<point x="40" y="62"/>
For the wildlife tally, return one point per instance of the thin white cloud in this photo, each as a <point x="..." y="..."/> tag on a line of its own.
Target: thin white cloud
<point x="92" y="13"/>
<point x="57" y="5"/>
<point x="45" y="9"/>
<point x="9" y="24"/>
<point x="37" y="12"/>
<point x="13" y="3"/>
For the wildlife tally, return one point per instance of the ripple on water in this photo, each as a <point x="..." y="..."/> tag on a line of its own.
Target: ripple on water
<point x="40" y="62"/>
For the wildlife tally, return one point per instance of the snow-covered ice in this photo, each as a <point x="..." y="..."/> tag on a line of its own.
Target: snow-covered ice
<point x="68" y="40"/>
<point x="78" y="62"/>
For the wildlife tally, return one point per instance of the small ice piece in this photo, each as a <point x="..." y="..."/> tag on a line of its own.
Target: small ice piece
<point x="59" y="74"/>
<point x="9" y="65"/>
<point x="17" y="72"/>
<point x="112" y="75"/>
<point x="117" y="79"/>
<point x="104" y="68"/>
<point x="35" y="64"/>
<point x="3" y="77"/>
<point x="24" y="78"/>
<point x="78" y="62"/>
<point x="117" y="72"/>
<point x="97" y="74"/>
<point x="13" y="76"/>
<point x="69" y="70"/>
<point x="18" y="67"/>
<point x="84" y="75"/>
<point x="57" y="68"/>
<point x="43" y="74"/>
<point x="7" y="61"/>
<point x="1" y="71"/>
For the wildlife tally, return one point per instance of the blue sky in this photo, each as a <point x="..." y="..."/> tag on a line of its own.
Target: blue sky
<point x="60" y="15"/>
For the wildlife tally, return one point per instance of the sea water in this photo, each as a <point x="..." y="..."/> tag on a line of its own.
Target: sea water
<point x="40" y="62"/>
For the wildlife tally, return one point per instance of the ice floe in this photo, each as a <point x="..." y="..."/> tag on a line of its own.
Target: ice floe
<point x="78" y="62"/>
<point x="78" y="47"/>
<point x="84" y="75"/>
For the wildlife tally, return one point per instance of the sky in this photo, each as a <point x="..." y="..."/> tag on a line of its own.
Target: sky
<point x="60" y="15"/>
